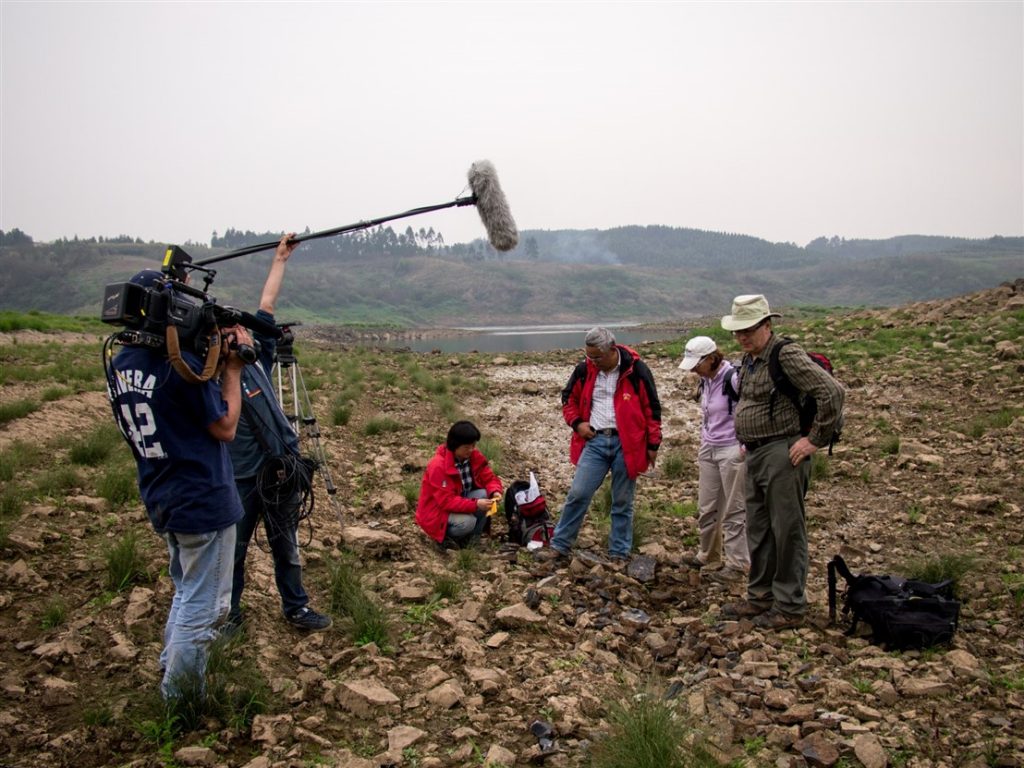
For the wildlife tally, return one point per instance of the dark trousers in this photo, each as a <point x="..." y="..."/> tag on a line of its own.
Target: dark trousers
<point x="284" y="548"/>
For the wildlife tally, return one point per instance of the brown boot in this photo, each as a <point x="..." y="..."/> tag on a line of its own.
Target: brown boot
<point x="743" y="610"/>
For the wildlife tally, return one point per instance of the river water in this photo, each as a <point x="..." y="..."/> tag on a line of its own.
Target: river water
<point x="528" y="338"/>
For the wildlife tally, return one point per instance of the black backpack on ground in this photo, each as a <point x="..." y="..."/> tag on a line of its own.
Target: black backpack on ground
<point x="807" y="406"/>
<point x="527" y="521"/>
<point x="902" y="613"/>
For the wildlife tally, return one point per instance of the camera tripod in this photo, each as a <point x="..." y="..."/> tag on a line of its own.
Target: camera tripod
<point x="294" y="400"/>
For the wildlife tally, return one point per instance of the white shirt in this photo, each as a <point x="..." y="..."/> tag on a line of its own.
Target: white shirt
<point x="602" y="413"/>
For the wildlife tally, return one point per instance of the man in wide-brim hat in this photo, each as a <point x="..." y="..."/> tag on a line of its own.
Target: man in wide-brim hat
<point x="778" y="450"/>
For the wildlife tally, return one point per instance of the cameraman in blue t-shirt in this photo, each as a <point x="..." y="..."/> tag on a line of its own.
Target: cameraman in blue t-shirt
<point x="178" y="431"/>
<point x="264" y="454"/>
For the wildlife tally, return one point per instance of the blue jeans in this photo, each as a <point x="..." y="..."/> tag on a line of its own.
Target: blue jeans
<point x="200" y="567"/>
<point x="461" y="527"/>
<point x="284" y="548"/>
<point x="600" y="455"/>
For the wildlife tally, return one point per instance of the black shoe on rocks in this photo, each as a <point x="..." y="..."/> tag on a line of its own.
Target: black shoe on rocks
<point x="308" y="619"/>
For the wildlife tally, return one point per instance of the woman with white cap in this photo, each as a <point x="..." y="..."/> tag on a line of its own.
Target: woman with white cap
<point x="721" y="490"/>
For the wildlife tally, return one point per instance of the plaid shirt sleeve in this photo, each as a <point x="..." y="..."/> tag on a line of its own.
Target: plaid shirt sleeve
<point x="810" y="378"/>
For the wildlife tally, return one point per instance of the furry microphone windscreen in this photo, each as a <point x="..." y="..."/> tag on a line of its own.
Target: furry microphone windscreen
<point x="492" y="206"/>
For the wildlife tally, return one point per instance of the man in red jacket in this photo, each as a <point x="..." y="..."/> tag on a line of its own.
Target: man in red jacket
<point x="458" y="489"/>
<point x="612" y="405"/>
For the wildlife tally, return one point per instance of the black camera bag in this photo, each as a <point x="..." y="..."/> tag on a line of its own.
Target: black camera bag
<point x="902" y="613"/>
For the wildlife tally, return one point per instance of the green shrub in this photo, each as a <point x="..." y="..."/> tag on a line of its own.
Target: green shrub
<point x="673" y="465"/>
<point x="645" y="732"/>
<point x="17" y="409"/>
<point x="643" y="525"/>
<point x="423" y="614"/>
<point x="119" y="485"/>
<point x="820" y="469"/>
<point x="57" y="482"/>
<point x="364" y="618"/>
<point x="99" y="715"/>
<point x="236" y="690"/>
<point x="889" y="445"/>
<point x="341" y="414"/>
<point x="50" y="394"/>
<point x="936" y="568"/>
<point x="447" y="587"/>
<point x="12" y="502"/>
<point x="492" y="449"/>
<point x="55" y="614"/>
<point x="381" y="425"/>
<point x="125" y="563"/>
<point x="467" y="559"/>
<point x="447" y="407"/>
<point x="18" y="456"/>
<point x="95" y="447"/>
<point x="411" y="493"/>
<point x="683" y="509"/>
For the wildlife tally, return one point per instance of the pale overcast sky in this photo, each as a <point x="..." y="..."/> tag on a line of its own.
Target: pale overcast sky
<point x="169" y="120"/>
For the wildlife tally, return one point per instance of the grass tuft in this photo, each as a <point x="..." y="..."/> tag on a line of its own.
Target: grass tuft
<point x="119" y="485"/>
<point x="645" y="732"/>
<point x="55" y="614"/>
<point x="125" y="563"/>
<point x="936" y="568"/>
<point x="381" y="425"/>
<point x="364" y="618"/>
<point x="94" y="448"/>
<point x="673" y="465"/>
<point x="17" y="409"/>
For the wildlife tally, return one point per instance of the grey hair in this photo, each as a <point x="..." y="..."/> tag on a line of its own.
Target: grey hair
<point x="601" y="338"/>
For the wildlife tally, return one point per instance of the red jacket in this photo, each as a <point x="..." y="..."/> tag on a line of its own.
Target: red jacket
<point x="441" y="490"/>
<point x="637" y="408"/>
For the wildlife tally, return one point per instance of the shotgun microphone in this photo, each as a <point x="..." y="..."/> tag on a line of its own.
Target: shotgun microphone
<point x="492" y="206"/>
<point x="487" y="196"/>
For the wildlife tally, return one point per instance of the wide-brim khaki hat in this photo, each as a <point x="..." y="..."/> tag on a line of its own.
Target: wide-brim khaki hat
<point x="747" y="311"/>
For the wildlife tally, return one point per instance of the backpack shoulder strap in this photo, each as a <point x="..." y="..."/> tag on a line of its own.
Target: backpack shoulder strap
<point x="779" y="377"/>
<point x="730" y="393"/>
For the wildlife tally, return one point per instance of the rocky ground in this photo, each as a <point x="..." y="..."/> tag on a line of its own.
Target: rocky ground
<point x="930" y="466"/>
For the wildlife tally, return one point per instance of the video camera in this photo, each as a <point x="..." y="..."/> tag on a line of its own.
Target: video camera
<point x="151" y="302"/>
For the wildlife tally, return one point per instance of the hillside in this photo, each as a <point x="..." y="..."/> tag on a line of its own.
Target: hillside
<point x="645" y="274"/>
<point x="474" y="648"/>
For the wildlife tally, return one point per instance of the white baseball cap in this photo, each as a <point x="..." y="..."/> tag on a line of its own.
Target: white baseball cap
<point x="697" y="349"/>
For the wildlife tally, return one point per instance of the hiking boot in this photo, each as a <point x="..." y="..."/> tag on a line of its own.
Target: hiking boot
<point x="551" y="555"/>
<point x="728" y="576"/>
<point x="693" y="561"/>
<point x="778" y="620"/>
<point x="743" y="610"/>
<point x="308" y="619"/>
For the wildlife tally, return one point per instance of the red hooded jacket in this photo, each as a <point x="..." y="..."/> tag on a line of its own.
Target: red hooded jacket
<point x="441" y="490"/>
<point x="637" y="408"/>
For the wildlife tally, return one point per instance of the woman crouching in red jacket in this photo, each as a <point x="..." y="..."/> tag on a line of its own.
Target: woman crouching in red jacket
<point x="458" y="489"/>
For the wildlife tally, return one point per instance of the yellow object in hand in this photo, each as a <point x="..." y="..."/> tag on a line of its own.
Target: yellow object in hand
<point x="494" y="509"/>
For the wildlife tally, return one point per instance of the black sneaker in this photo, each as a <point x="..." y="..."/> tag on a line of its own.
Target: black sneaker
<point x="308" y="619"/>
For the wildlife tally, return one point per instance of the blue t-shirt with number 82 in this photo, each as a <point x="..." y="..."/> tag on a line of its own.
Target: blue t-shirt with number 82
<point x="185" y="476"/>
